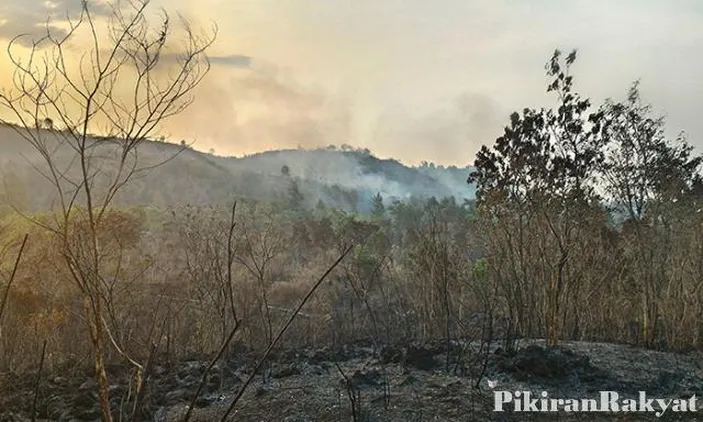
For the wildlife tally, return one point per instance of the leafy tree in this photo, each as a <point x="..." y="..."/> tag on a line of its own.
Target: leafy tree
<point x="650" y="179"/>
<point x="542" y="170"/>
<point x="643" y="167"/>
<point x="378" y="210"/>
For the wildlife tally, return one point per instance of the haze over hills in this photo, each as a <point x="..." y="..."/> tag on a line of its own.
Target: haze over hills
<point x="340" y="177"/>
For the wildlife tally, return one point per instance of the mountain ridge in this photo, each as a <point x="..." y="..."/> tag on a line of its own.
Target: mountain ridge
<point x="344" y="177"/>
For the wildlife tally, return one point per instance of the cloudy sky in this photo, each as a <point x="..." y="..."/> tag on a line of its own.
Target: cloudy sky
<point x="415" y="80"/>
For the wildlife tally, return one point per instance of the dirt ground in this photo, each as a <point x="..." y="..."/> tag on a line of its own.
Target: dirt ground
<point x="395" y="384"/>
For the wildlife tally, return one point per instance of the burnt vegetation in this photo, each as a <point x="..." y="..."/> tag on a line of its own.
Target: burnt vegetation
<point x="587" y="226"/>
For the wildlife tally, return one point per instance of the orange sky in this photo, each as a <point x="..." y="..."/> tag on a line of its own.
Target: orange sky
<point x="414" y="80"/>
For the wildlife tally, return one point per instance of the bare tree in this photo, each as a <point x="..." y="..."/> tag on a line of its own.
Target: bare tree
<point x="262" y="240"/>
<point x="208" y="251"/>
<point x="131" y="78"/>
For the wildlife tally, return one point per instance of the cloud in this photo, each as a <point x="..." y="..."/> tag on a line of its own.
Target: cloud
<point x="234" y="60"/>
<point x="227" y="61"/>
<point x="27" y="34"/>
<point x="30" y="17"/>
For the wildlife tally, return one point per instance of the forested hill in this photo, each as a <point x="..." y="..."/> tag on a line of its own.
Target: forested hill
<point x="346" y="178"/>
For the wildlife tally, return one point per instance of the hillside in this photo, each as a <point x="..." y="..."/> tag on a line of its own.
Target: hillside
<point x="342" y="178"/>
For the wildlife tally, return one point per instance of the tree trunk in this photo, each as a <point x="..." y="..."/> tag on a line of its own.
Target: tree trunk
<point x="98" y="337"/>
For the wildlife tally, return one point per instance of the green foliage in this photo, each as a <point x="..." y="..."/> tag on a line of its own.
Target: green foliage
<point x="538" y="196"/>
<point x="378" y="210"/>
<point x="538" y="180"/>
<point x="545" y="155"/>
<point x="481" y="269"/>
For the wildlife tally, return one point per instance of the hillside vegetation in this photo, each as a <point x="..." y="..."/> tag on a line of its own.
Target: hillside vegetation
<point x="342" y="178"/>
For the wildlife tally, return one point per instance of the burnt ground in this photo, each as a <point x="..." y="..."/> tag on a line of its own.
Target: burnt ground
<point x="397" y="384"/>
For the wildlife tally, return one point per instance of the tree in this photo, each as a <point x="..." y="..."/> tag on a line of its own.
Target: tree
<point x="642" y="166"/>
<point x="128" y="83"/>
<point x="378" y="210"/>
<point x="647" y="177"/>
<point x="434" y="261"/>
<point x="206" y="240"/>
<point x="539" y="177"/>
<point x="263" y="237"/>
<point x="295" y="197"/>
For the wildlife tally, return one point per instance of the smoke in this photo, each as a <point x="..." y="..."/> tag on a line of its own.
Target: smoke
<point x="331" y="175"/>
<point x="452" y="134"/>
<point x="246" y="106"/>
<point x="260" y="107"/>
<point x="257" y="108"/>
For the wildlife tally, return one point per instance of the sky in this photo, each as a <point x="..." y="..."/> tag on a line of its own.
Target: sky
<point x="413" y="80"/>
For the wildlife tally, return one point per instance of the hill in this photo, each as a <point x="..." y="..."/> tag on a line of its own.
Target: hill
<point x="345" y="178"/>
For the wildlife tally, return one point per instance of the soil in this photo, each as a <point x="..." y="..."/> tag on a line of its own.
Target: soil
<point x="403" y="383"/>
